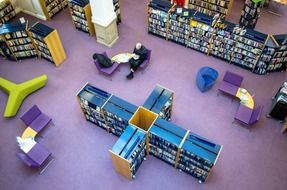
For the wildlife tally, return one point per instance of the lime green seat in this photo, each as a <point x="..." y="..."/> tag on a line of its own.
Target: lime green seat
<point x="18" y="92"/>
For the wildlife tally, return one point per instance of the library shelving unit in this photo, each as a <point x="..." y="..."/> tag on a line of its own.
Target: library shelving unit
<point x="117" y="9"/>
<point x="279" y="58"/>
<point x="250" y="13"/>
<point x="6" y="11"/>
<point x="18" y="41"/>
<point x="164" y="140"/>
<point x="92" y="100"/>
<point x="247" y="48"/>
<point x="211" y="7"/>
<point x="145" y="133"/>
<point x="158" y="15"/>
<point x="160" y="101"/>
<point x="198" y="156"/>
<point x="80" y="11"/>
<point x="52" y="7"/>
<point x="48" y="43"/>
<point x="214" y="36"/>
<point x="117" y="113"/>
<point x="129" y="151"/>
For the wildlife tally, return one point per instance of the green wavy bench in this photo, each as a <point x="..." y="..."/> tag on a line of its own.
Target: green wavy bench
<point x="18" y="92"/>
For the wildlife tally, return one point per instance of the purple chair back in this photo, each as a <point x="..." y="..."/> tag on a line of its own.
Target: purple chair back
<point x="233" y="78"/>
<point x="255" y="115"/>
<point x="27" y="160"/>
<point x="97" y="64"/>
<point x="147" y="59"/>
<point x="30" y="115"/>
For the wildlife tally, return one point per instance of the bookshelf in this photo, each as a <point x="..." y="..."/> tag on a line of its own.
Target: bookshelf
<point x="6" y="11"/>
<point x="52" y="7"/>
<point x="164" y="140"/>
<point x="80" y="11"/>
<point x="158" y="15"/>
<point x="250" y="13"/>
<point x="117" y="113"/>
<point x="243" y="47"/>
<point x="160" y="101"/>
<point x="198" y="156"/>
<point x="247" y="48"/>
<point x="146" y="133"/>
<point x="211" y="7"/>
<point x="17" y="41"/>
<point x="117" y="9"/>
<point x="129" y="152"/>
<point x="279" y="59"/>
<point x="92" y="100"/>
<point x="48" y="43"/>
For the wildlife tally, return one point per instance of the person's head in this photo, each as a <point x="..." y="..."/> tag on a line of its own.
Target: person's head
<point x="138" y="45"/>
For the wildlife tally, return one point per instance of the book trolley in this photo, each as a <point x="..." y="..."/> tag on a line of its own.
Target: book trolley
<point x="146" y="130"/>
<point x="252" y="50"/>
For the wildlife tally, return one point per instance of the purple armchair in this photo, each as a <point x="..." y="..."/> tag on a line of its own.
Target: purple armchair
<point x="230" y="84"/>
<point x="32" y="164"/>
<point x="35" y="119"/>
<point x="248" y="116"/>
<point x="106" y="71"/>
<point x="147" y="60"/>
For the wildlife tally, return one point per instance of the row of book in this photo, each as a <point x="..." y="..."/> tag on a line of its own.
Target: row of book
<point x="54" y="6"/>
<point x="250" y="13"/>
<point x="225" y="40"/>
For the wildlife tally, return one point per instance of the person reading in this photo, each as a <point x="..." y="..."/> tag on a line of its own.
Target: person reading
<point x="139" y="55"/>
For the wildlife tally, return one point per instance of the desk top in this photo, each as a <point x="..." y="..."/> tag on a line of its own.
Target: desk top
<point x="29" y="132"/>
<point x="245" y="98"/>
<point x="39" y="154"/>
<point x="122" y="57"/>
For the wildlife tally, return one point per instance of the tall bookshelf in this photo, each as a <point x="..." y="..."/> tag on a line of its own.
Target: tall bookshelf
<point x="211" y="7"/>
<point x="250" y="13"/>
<point x="48" y="43"/>
<point x="80" y="11"/>
<point x="17" y="41"/>
<point x="279" y="59"/>
<point x="214" y="36"/>
<point x="52" y="7"/>
<point x="6" y="11"/>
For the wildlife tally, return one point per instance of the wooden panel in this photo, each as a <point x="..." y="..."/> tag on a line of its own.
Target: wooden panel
<point x="55" y="46"/>
<point x="121" y="165"/>
<point x="229" y="9"/>
<point x="179" y="148"/>
<point x="44" y="8"/>
<point x="143" y="118"/>
<point x="88" y="14"/>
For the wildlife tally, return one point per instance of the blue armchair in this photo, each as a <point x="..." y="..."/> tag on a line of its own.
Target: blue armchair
<point x="206" y="78"/>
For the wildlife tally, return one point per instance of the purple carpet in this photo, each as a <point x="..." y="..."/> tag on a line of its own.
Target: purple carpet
<point x="252" y="159"/>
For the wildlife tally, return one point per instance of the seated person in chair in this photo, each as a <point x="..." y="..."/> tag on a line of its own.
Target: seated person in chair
<point x="140" y="53"/>
<point x="104" y="61"/>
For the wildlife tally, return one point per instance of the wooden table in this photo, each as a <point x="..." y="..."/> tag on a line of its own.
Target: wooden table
<point x="29" y="132"/>
<point x="122" y="57"/>
<point x="245" y="98"/>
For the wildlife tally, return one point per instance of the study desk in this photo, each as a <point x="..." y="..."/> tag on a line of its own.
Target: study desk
<point x="245" y="98"/>
<point x="29" y="132"/>
<point x="122" y="57"/>
<point x="39" y="154"/>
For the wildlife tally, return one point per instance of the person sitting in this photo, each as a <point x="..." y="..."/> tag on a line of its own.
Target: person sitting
<point x="104" y="61"/>
<point x="140" y="53"/>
